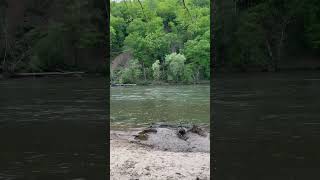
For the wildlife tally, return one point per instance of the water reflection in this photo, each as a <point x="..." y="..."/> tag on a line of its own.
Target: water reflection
<point x="267" y="126"/>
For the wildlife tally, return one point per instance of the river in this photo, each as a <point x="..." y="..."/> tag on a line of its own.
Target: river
<point x="267" y="126"/>
<point x="53" y="128"/>
<point x="140" y="106"/>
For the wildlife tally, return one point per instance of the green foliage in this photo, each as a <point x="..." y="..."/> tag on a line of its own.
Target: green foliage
<point x="175" y="63"/>
<point x="156" y="70"/>
<point x="159" y="28"/>
<point x="196" y="52"/>
<point x="119" y="28"/>
<point x="130" y="74"/>
<point x="54" y="41"/>
<point x="313" y="24"/>
<point x="188" y="74"/>
<point x="262" y="34"/>
<point x="48" y="51"/>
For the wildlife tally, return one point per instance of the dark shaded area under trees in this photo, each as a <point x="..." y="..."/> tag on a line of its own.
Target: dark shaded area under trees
<point x="55" y="35"/>
<point x="267" y="35"/>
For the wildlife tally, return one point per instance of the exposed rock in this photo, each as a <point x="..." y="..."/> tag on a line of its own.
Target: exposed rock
<point x="198" y="130"/>
<point x="174" y="138"/>
<point x="182" y="133"/>
<point x="143" y="135"/>
<point x="121" y="60"/>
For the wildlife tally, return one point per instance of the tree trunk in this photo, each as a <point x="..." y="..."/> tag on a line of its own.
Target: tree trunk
<point x="197" y="77"/>
<point x="235" y="7"/>
<point x="5" y="54"/>
<point x="162" y="66"/>
<point x="5" y="35"/>
<point x="280" y="45"/>
<point x="144" y="72"/>
<point x="270" y="52"/>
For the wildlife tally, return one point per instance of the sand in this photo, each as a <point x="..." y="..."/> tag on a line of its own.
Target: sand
<point x="134" y="161"/>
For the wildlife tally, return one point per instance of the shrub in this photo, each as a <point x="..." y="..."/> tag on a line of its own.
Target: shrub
<point x="175" y="63"/>
<point x="188" y="74"/>
<point x="156" y="70"/>
<point x="130" y="74"/>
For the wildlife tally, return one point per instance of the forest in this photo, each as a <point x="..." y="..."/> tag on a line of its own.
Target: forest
<point x="53" y="35"/>
<point x="160" y="40"/>
<point x="267" y="35"/>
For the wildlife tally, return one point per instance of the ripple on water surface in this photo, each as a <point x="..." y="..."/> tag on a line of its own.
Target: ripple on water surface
<point x="143" y="105"/>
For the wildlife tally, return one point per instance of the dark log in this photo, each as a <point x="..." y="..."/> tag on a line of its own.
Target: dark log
<point x="46" y="74"/>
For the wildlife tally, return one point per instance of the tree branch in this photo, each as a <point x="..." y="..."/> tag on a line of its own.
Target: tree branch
<point x="185" y="6"/>
<point x="142" y="10"/>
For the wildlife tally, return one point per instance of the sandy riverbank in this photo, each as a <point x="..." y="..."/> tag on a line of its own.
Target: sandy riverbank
<point x="133" y="161"/>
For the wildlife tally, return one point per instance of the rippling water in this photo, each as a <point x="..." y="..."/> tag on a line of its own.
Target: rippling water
<point x="142" y="105"/>
<point x="53" y="128"/>
<point x="267" y="126"/>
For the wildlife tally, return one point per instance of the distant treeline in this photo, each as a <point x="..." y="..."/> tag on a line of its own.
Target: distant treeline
<point x="266" y="34"/>
<point x="52" y="35"/>
<point x="169" y="40"/>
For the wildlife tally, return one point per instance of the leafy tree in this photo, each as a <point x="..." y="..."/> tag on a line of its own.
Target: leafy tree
<point x="312" y="23"/>
<point x="197" y="55"/>
<point x="153" y="29"/>
<point x="48" y="51"/>
<point x="175" y="63"/>
<point x="36" y="39"/>
<point x="262" y="33"/>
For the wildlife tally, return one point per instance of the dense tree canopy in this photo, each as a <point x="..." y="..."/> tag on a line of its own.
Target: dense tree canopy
<point x="265" y="33"/>
<point x="52" y="35"/>
<point x="154" y="30"/>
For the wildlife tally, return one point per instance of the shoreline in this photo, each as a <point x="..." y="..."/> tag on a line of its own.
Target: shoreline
<point x="133" y="161"/>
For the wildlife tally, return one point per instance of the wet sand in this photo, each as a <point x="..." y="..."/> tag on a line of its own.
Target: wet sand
<point x="133" y="161"/>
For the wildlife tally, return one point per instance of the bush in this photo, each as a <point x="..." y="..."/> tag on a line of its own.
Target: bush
<point x="130" y="74"/>
<point x="156" y="70"/>
<point x="175" y="63"/>
<point x="188" y="74"/>
<point x="48" y="51"/>
<point x="35" y="65"/>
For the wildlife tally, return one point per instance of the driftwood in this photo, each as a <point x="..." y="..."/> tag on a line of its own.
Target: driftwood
<point x="47" y="74"/>
<point x="123" y="84"/>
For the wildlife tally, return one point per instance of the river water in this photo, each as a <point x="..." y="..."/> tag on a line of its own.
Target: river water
<point x="267" y="126"/>
<point x="140" y="106"/>
<point x="53" y="128"/>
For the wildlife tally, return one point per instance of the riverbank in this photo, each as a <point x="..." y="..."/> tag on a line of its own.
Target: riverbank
<point x="160" y="83"/>
<point x="133" y="161"/>
<point x="50" y="74"/>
